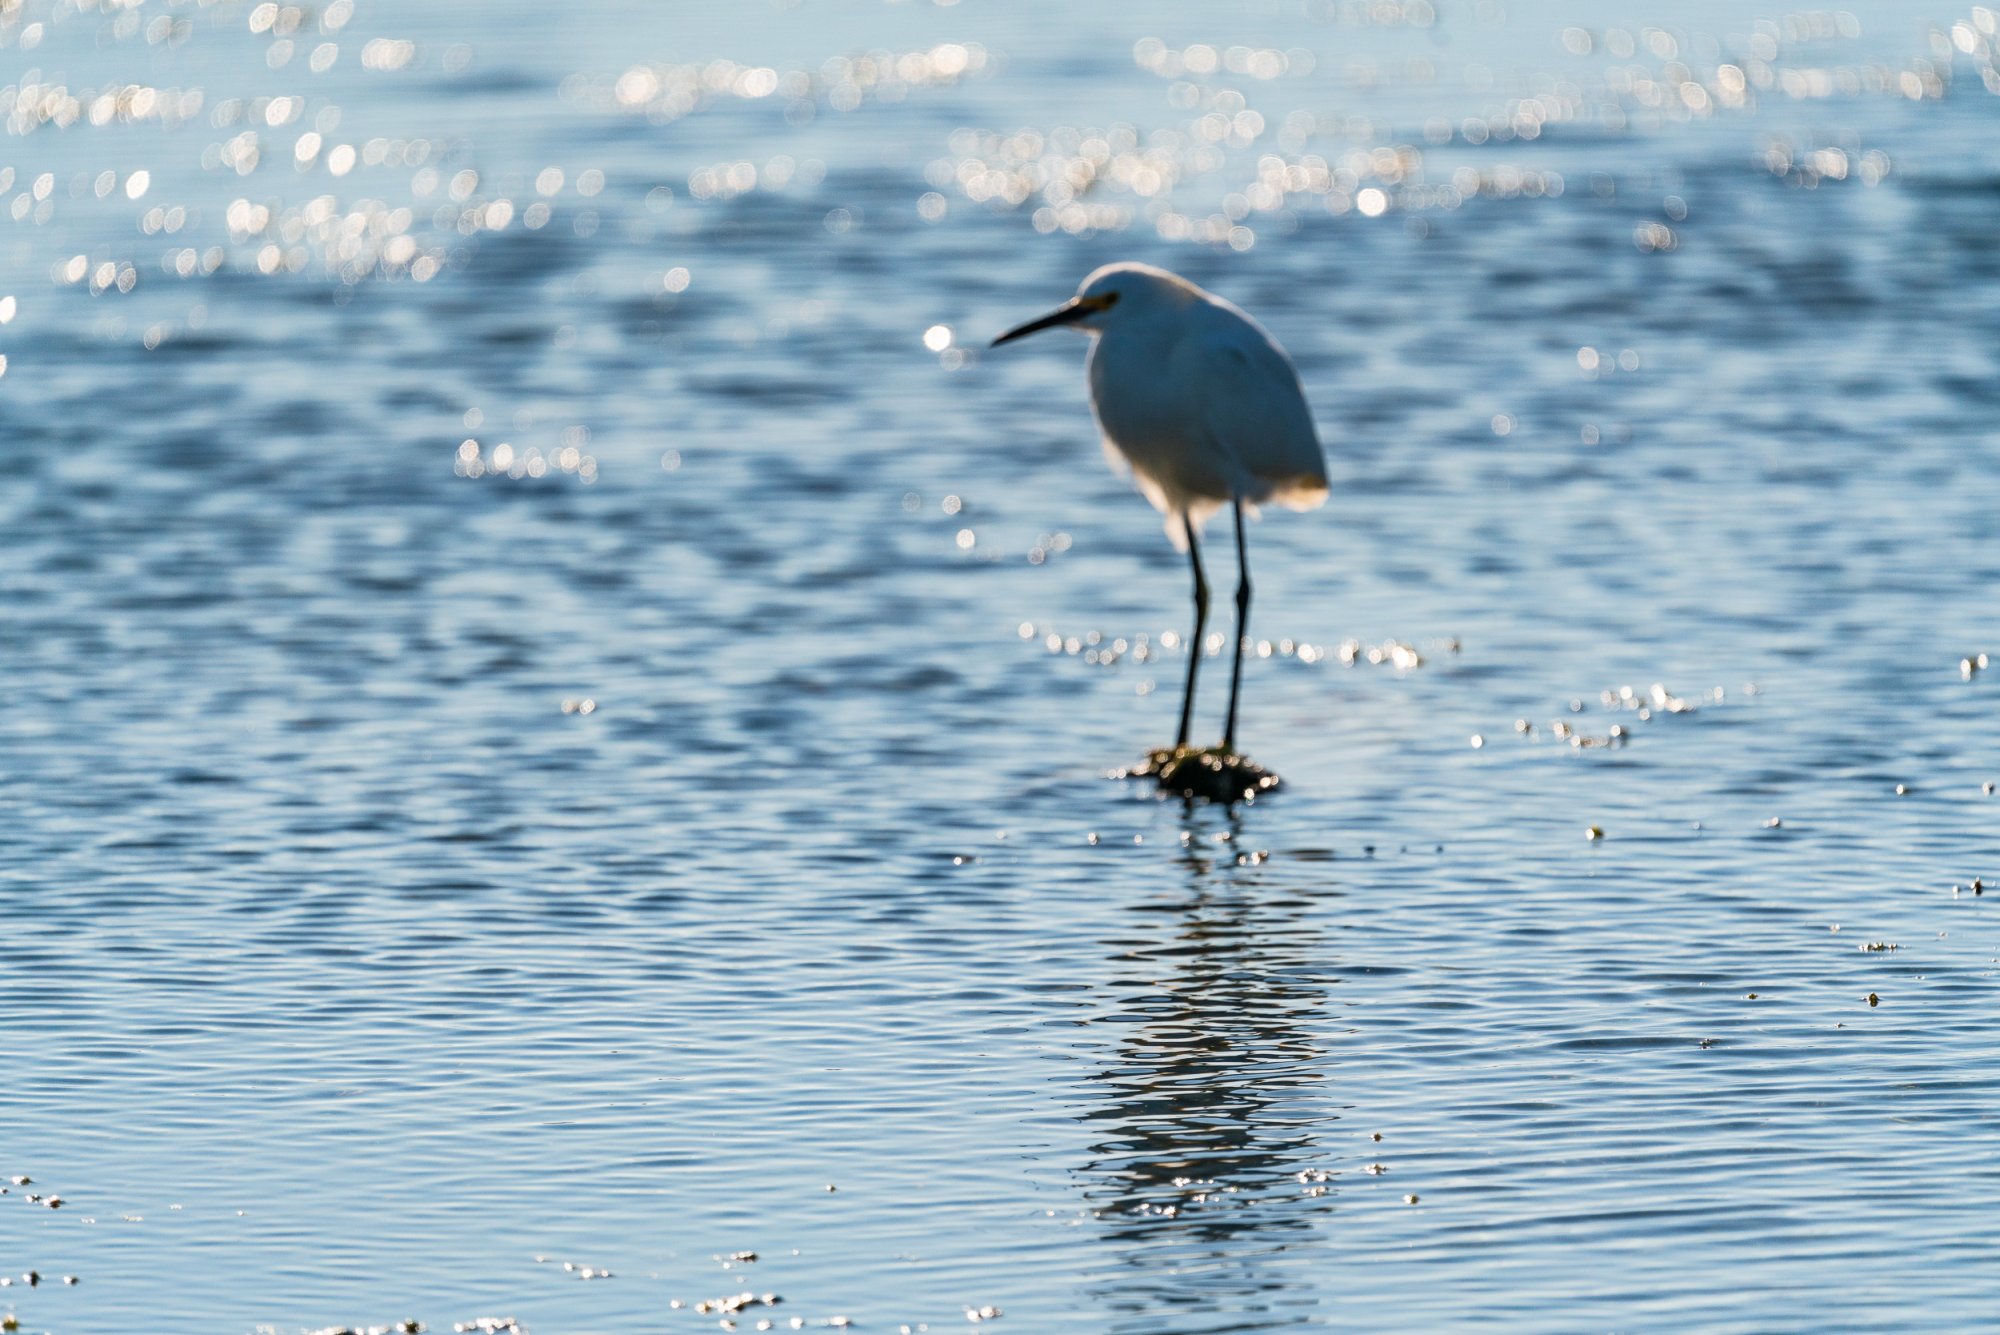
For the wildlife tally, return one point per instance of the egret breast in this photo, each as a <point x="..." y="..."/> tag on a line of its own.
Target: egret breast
<point x="1152" y="424"/>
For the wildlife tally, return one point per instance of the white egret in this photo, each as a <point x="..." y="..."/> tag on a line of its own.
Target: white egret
<point x="1206" y="409"/>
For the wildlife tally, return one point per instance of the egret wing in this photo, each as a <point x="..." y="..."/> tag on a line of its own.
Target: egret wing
<point x="1252" y="410"/>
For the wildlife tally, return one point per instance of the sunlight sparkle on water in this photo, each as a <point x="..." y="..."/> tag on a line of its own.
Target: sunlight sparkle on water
<point x="530" y="607"/>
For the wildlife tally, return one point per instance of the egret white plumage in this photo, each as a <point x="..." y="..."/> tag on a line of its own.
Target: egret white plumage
<point x="1205" y="408"/>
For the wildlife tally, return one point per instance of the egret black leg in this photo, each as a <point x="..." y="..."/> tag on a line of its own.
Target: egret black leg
<point x="1242" y="625"/>
<point x="1200" y="626"/>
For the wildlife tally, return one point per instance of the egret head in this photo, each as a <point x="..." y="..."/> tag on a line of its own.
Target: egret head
<point x="1114" y="295"/>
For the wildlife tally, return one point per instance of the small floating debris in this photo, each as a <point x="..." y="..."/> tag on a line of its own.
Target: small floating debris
<point x="1398" y="654"/>
<point x="1208" y="773"/>
<point x="736" y="1303"/>
<point x="1646" y="705"/>
<point x="1563" y="731"/>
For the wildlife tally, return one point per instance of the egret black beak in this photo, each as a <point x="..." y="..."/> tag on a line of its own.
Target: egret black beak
<point x="1076" y="308"/>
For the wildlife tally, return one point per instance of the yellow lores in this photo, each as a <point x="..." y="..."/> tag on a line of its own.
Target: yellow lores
<point x="1206" y="409"/>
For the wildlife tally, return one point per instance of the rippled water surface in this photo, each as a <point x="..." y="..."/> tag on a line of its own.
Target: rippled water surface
<point x="559" y="700"/>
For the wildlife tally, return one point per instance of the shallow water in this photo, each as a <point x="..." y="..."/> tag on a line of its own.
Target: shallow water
<point x="432" y="863"/>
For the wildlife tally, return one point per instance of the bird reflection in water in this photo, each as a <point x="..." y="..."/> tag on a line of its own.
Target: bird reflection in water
<point x="1211" y="1101"/>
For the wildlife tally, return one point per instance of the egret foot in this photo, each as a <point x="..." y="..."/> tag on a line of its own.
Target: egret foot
<point x="1209" y="773"/>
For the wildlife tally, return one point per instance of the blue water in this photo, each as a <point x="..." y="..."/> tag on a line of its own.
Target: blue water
<point x="584" y="745"/>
